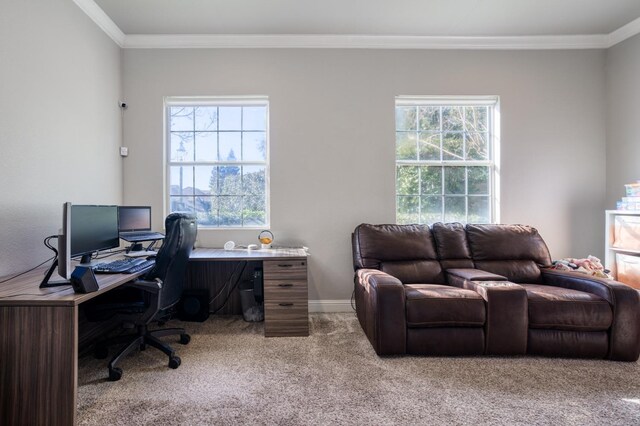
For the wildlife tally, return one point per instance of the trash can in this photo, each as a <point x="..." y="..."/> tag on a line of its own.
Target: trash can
<point x="252" y="310"/>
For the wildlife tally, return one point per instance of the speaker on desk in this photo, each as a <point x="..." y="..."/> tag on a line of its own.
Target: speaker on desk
<point x="83" y="280"/>
<point x="194" y="305"/>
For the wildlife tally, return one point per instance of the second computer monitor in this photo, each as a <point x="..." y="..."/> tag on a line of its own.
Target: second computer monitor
<point x="134" y="218"/>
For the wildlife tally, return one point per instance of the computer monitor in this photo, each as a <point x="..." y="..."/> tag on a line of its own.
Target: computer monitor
<point x="134" y="218"/>
<point x="85" y="230"/>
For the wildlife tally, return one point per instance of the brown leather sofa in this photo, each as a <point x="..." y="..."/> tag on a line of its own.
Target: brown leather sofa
<point x="451" y="289"/>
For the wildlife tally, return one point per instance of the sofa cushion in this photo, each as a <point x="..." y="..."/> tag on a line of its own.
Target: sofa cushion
<point x="452" y="245"/>
<point x="414" y="271"/>
<point x="565" y="309"/>
<point x="379" y="243"/>
<point x="515" y="251"/>
<point x="433" y="305"/>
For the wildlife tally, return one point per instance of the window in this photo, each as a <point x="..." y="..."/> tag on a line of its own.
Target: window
<point x="218" y="160"/>
<point x="445" y="160"/>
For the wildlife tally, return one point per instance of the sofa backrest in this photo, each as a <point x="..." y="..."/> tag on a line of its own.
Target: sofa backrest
<point x="407" y="252"/>
<point x="514" y="251"/>
<point x="451" y="245"/>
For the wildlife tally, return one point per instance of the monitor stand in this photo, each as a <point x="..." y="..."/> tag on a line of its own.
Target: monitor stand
<point x="45" y="281"/>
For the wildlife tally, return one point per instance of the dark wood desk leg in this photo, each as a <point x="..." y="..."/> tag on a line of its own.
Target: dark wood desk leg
<point x="38" y="365"/>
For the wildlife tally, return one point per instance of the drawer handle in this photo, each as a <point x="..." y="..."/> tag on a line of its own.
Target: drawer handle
<point x="286" y="304"/>
<point x="285" y="266"/>
<point x="285" y="285"/>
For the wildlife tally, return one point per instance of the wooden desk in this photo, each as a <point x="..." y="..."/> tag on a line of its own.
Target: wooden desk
<point x="39" y="349"/>
<point x="286" y="301"/>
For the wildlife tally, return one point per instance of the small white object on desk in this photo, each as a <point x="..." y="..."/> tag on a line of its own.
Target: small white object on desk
<point x="252" y="247"/>
<point x="229" y="245"/>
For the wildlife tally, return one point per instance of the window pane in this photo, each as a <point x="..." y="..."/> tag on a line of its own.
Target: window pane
<point x="229" y="180"/>
<point x="454" y="180"/>
<point x="181" y="180"/>
<point x="477" y="146"/>
<point x="254" y="146"/>
<point x="206" y="118"/>
<point x="230" y="146"/>
<point x="408" y="210"/>
<point x="230" y="118"/>
<point x="206" y="146"/>
<point x="453" y="118"/>
<point x="206" y="180"/>
<point x="253" y="181"/>
<point x="206" y="211"/>
<point x="429" y="146"/>
<point x="478" y="180"/>
<point x="181" y="204"/>
<point x="452" y="144"/>
<point x="479" y="210"/>
<point x="406" y="146"/>
<point x="431" y="180"/>
<point x="181" y="146"/>
<point x="407" y="180"/>
<point x="429" y="118"/>
<point x="431" y="209"/>
<point x="477" y="118"/>
<point x="230" y="211"/>
<point x="181" y="118"/>
<point x="454" y="209"/>
<point x="254" y="118"/>
<point x="406" y="118"/>
<point x="253" y="212"/>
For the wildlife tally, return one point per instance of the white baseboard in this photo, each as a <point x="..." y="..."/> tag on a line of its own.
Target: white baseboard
<point x="330" y="306"/>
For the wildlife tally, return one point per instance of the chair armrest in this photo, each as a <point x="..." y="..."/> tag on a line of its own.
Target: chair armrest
<point x="380" y="304"/>
<point x="507" y="322"/>
<point x="152" y="287"/>
<point x="457" y="276"/>
<point x="624" y="337"/>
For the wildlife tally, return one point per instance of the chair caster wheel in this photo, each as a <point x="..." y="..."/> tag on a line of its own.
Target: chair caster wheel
<point x="185" y="339"/>
<point x="174" y="362"/>
<point x="115" y="374"/>
<point x="101" y="352"/>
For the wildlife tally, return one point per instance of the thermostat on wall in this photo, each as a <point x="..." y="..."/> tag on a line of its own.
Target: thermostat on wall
<point x="124" y="151"/>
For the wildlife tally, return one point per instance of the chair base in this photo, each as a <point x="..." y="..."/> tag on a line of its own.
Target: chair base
<point x="140" y="341"/>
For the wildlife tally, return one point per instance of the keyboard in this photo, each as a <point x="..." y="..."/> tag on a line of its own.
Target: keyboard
<point x="123" y="266"/>
<point x="134" y="237"/>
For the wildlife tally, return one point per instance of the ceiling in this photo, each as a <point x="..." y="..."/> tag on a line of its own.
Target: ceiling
<point x="371" y="17"/>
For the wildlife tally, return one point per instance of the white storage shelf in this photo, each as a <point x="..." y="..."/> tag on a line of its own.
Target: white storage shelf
<point x="610" y="250"/>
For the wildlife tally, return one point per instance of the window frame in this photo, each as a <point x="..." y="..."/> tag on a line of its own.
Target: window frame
<point x="493" y="162"/>
<point x="216" y="101"/>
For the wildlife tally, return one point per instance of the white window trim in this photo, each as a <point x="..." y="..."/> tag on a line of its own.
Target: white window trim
<point x="494" y="143"/>
<point x="196" y="101"/>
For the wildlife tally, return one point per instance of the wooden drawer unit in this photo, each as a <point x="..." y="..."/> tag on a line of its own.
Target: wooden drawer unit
<point x="286" y="300"/>
<point x="285" y="269"/>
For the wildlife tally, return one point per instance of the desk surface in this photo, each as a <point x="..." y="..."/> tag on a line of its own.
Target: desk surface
<point x="25" y="290"/>
<point x="205" y="254"/>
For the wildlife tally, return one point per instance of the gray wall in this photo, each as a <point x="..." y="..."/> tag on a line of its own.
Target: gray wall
<point x="332" y="137"/>
<point x="59" y="122"/>
<point x="623" y="117"/>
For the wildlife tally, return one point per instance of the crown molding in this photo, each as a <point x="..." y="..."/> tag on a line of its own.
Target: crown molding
<point x="102" y="20"/>
<point x="247" y="41"/>
<point x="283" y="41"/>
<point x="624" y="32"/>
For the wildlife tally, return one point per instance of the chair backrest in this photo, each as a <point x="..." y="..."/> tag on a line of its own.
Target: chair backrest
<point x="407" y="252"/>
<point x="514" y="251"/>
<point x="173" y="257"/>
<point x="452" y="245"/>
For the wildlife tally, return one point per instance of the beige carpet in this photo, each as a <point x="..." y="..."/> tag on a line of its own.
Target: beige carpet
<point x="231" y="375"/>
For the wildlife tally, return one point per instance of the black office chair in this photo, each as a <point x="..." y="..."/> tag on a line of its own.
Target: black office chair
<point x="152" y="297"/>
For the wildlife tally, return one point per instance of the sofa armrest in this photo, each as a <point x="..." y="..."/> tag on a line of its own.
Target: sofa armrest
<point x="380" y="305"/>
<point x="458" y="277"/>
<point x="624" y="338"/>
